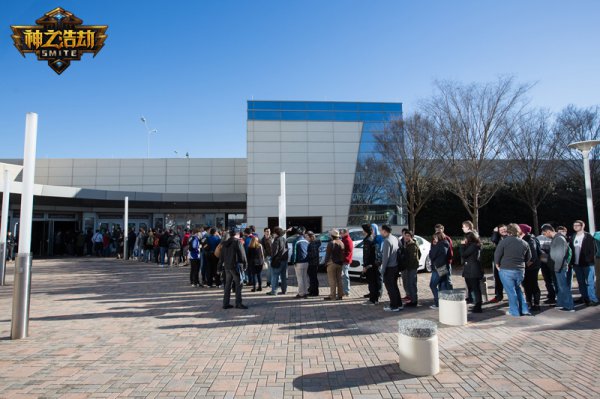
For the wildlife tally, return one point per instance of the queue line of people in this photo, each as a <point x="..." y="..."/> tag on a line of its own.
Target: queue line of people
<point x="235" y="258"/>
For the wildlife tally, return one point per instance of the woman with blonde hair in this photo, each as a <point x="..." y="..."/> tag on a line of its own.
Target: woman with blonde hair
<point x="256" y="260"/>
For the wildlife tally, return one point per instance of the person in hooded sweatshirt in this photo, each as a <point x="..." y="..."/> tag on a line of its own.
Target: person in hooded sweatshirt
<point x="232" y="261"/>
<point x="389" y="269"/>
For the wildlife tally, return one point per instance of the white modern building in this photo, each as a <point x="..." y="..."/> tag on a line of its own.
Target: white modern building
<point x="322" y="146"/>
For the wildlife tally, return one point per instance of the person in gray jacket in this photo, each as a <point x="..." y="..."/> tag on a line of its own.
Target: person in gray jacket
<point x="558" y="260"/>
<point x="389" y="269"/>
<point x="510" y="258"/>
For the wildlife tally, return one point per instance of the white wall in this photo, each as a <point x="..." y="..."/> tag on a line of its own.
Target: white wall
<point x="194" y="176"/>
<point x="319" y="159"/>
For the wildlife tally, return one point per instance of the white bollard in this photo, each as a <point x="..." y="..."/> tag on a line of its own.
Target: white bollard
<point x="418" y="347"/>
<point x="453" y="307"/>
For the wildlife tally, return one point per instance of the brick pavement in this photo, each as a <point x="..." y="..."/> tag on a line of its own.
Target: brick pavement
<point x="107" y="328"/>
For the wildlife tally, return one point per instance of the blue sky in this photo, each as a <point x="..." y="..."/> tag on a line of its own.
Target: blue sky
<point x="189" y="66"/>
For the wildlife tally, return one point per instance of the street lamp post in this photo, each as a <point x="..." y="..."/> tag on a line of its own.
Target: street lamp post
<point x="585" y="147"/>
<point x="149" y="132"/>
<point x="22" y="282"/>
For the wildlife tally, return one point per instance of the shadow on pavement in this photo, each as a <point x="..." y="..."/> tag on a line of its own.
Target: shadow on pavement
<point x="350" y="378"/>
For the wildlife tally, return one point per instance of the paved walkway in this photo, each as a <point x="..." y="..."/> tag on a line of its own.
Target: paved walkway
<point x="107" y="328"/>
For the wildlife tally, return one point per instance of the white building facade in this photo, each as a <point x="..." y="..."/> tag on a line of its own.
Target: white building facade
<point x="324" y="148"/>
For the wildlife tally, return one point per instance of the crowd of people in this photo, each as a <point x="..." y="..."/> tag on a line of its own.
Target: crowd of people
<point x="230" y="259"/>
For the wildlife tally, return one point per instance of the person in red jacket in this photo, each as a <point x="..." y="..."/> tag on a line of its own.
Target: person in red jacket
<point x="348" y="251"/>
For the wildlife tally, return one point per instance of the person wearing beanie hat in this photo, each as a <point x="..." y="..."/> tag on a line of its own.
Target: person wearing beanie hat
<point x="532" y="269"/>
<point x="334" y="259"/>
<point x="525" y="228"/>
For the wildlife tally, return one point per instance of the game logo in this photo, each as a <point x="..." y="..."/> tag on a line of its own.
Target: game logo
<point x="59" y="38"/>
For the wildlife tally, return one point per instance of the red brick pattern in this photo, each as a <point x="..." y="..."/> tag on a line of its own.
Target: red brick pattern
<point x="108" y="329"/>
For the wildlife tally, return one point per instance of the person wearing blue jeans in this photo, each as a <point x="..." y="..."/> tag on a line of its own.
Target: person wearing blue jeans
<point x="585" y="279"/>
<point x="438" y="283"/>
<point x="564" y="300"/>
<point x="583" y="248"/>
<point x="510" y="258"/>
<point x="440" y="269"/>
<point x="277" y="273"/>
<point x="558" y="260"/>
<point x="511" y="280"/>
<point x="279" y="262"/>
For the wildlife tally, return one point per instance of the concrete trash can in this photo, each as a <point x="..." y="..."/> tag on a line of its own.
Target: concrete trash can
<point x="418" y="347"/>
<point x="453" y="307"/>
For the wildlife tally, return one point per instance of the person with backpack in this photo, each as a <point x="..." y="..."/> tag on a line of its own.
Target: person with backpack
<point x="194" y="255"/>
<point x="334" y="259"/>
<point x="532" y="269"/>
<point x="212" y="242"/>
<point x="409" y="266"/>
<point x="266" y="241"/>
<point x="559" y="259"/>
<point x="472" y="270"/>
<point x="510" y="258"/>
<point x="371" y="265"/>
<point x="300" y="262"/>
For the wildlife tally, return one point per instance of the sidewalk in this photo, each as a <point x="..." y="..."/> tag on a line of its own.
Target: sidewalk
<point x="106" y="328"/>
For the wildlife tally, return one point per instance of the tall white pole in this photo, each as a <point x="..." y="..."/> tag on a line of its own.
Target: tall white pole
<point x="588" y="191"/>
<point x="126" y="230"/>
<point x="22" y="283"/>
<point x="4" y="227"/>
<point x="282" y="203"/>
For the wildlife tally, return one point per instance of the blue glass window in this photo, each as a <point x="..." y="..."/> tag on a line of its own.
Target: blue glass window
<point x="293" y="115"/>
<point x="346" y="106"/>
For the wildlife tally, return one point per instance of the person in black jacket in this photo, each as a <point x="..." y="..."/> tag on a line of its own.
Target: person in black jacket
<point x="472" y="270"/>
<point x="232" y="261"/>
<point x="370" y="265"/>
<point x="256" y="260"/>
<point x="583" y="259"/>
<point x="314" y="259"/>
<point x="498" y="235"/>
<point x="279" y="262"/>
<point x="440" y="268"/>
<point x="532" y="269"/>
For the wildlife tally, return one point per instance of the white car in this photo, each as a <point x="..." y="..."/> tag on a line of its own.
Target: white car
<point x="424" y="262"/>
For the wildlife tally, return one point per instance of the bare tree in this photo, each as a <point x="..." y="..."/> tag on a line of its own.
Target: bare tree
<point x="472" y="123"/>
<point x="407" y="145"/>
<point x="534" y="157"/>
<point x="580" y="124"/>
